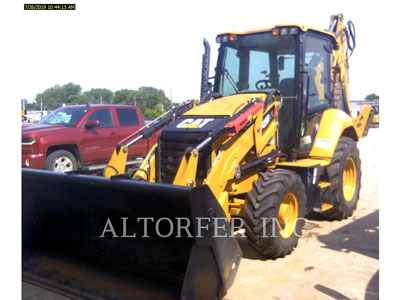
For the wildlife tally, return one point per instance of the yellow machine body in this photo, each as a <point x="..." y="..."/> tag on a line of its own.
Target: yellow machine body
<point x="249" y="142"/>
<point x="254" y="143"/>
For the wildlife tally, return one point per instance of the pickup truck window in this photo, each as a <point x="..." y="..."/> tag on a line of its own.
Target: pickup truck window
<point x="104" y="116"/>
<point x="127" y="117"/>
<point x="67" y="116"/>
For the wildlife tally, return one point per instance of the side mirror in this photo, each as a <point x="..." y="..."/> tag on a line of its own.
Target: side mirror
<point x="92" y="124"/>
<point x="281" y="63"/>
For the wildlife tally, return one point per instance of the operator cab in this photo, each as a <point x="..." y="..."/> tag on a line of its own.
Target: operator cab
<point x="296" y="61"/>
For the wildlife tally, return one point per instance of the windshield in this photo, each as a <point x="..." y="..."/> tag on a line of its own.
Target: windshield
<point x="257" y="62"/>
<point x="67" y="116"/>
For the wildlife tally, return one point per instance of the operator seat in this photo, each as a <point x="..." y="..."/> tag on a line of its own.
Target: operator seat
<point x="286" y="87"/>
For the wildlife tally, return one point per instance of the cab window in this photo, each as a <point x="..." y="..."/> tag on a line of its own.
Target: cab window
<point x="127" y="117"/>
<point x="317" y="66"/>
<point x="104" y="116"/>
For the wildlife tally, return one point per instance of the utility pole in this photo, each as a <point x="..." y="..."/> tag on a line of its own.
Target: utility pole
<point x="24" y="113"/>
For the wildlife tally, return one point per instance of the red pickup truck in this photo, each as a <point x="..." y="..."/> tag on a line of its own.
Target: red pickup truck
<point x="82" y="136"/>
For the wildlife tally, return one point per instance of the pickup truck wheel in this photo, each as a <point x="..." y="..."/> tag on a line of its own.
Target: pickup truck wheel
<point x="61" y="161"/>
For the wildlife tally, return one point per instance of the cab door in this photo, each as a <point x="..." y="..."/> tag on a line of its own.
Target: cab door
<point x="100" y="142"/>
<point x="317" y="88"/>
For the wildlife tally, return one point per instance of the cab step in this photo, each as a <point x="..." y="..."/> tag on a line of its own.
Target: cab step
<point x="323" y="185"/>
<point x="324" y="206"/>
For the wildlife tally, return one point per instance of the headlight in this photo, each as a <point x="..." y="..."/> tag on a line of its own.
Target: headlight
<point x="226" y="38"/>
<point x="29" y="141"/>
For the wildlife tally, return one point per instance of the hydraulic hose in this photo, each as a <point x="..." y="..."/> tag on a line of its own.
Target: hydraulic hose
<point x="351" y="36"/>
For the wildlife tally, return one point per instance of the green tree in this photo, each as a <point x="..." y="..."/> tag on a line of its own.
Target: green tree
<point x="154" y="97"/>
<point x="124" y="96"/>
<point x="33" y="106"/>
<point x="371" y="97"/>
<point x="58" y="95"/>
<point x="153" y="113"/>
<point x="151" y="101"/>
<point x="98" y="96"/>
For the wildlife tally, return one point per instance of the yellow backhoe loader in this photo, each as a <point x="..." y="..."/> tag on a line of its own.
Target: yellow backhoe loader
<point x="270" y="140"/>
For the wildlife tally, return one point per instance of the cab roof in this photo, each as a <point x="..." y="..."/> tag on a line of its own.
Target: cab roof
<point x="301" y="27"/>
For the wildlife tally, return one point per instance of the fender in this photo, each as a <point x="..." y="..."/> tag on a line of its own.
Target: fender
<point x="333" y="124"/>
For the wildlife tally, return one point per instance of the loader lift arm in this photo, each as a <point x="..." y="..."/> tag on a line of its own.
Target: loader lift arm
<point x="117" y="163"/>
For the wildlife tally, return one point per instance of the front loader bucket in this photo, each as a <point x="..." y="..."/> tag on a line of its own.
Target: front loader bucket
<point x="91" y="237"/>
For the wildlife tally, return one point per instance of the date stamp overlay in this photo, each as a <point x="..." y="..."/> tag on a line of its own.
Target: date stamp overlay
<point x="50" y="6"/>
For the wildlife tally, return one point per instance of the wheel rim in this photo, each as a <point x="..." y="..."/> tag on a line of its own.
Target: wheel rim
<point x="63" y="164"/>
<point x="288" y="212"/>
<point x="349" y="179"/>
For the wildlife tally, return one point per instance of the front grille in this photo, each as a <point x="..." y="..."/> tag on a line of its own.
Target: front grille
<point x="172" y="146"/>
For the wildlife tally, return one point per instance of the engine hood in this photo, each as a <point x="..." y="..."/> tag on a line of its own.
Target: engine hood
<point x="225" y="106"/>
<point x="41" y="128"/>
<point x="212" y="117"/>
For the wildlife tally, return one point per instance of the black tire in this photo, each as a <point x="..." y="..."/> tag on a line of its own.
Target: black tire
<point x="342" y="208"/>
<point x="61" y="161"/>
<point x="264" y="202"/>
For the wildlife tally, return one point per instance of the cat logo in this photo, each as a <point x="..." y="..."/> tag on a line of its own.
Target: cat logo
<point x="193" y="123"/>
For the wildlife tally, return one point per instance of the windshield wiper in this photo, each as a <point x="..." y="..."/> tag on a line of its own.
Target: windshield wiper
<point x="231" y="80"/>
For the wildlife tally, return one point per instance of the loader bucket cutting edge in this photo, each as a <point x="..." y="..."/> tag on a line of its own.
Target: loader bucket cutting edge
<point x="82" y="235"/>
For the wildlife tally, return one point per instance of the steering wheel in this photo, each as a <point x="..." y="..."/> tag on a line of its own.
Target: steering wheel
<point x="263" y="84"/>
